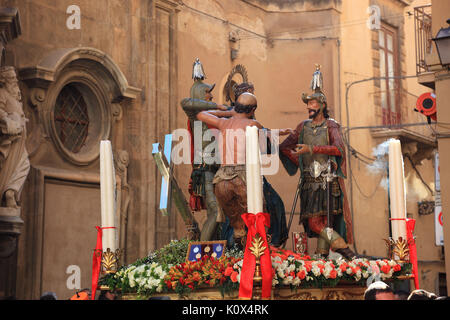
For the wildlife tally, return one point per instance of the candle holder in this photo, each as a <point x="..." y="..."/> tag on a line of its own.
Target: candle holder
<point x="257" y="249"/>
<point x="299" y="242"/>
<point x="110" y="261"/>
<point x="398" y="248"/>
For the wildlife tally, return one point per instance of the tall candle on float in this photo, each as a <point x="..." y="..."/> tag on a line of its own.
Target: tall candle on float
<point x="253" y="171"/>
<point x="397" y="191"/>
<point x="107" y="192"/>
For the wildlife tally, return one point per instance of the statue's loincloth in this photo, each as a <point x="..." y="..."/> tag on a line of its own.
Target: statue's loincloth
<point x="231" y="193"/>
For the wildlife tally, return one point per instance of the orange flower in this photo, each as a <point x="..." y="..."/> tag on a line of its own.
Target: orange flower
<point x="308" y="265"/>
<point x="301" y="274"/>
<point x="196" y="276"/>
<point x="228" y="271"/>
<point x="333" y="274"/>
<point x="343" y="267"/>
<point x="234" y="275"/>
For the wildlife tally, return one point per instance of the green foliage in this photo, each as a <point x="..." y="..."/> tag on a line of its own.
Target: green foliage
<point x="172" y="254"/>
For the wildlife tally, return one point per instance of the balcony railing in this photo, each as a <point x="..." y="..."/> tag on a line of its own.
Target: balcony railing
<point x="424" y="44"/>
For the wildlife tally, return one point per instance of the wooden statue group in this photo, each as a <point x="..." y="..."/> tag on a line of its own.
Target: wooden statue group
<point x="315" y="147"/>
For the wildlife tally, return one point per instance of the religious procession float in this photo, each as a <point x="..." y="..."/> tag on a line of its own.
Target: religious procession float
<point x="252" y="262"/>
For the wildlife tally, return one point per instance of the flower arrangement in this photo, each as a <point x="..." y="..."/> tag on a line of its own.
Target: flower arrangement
<point x="328" y="273"/>
<point x="159" y="273"/>
<point x="145" y="279"/>
<point x="205" y="272"/>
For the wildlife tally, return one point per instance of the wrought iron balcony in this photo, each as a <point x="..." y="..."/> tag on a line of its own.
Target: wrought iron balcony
<point x="424" y="44"/>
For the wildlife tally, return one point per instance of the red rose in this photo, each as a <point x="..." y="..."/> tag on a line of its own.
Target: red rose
<point x="397" y="268"/>
<point x="301" y="274"/>
<point x="308" y="265"/>
<point x="333" y="274"/>
<point x="343" y="267"/>
<point x="386" y="268"/>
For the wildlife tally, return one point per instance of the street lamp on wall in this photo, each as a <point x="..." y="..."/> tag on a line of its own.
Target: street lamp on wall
<point x="442" y="42"/>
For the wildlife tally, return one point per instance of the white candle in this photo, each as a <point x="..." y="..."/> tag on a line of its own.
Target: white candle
<point x="107" y="191"/>
<point x="253" y="171"/>
<point x="397" y="191"/>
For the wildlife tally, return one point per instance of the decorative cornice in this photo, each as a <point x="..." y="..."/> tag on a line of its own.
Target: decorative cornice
<point x="9" y="24"/>
<point x="48" y="69"/>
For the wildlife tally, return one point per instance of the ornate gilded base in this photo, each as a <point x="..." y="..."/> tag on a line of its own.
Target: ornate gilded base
<point x="336" y="293"/>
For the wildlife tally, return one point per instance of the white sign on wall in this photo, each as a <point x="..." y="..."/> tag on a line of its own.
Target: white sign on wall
<point x="438" y="217"/>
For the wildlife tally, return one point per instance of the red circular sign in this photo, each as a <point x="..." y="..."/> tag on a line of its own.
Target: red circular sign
<point x="440" y="219"/>
<point x="426" y="104"/>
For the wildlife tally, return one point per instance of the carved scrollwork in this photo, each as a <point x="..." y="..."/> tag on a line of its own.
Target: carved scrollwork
<point x="37" y="97"/>
<point x="116" y="110"/>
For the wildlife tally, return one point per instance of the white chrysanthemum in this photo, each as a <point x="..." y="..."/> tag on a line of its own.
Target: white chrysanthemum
<point x="316" y="270"/>
<point x="291" y="268"/>
<point x="392" y="263"/>
<point x="327" y="270"/>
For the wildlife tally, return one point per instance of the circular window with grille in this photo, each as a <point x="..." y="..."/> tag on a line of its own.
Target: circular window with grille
<point x="80" y="119"/>
<point x="71" y="118"/>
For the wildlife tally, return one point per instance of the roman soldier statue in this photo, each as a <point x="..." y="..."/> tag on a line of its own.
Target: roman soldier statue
<point x="316" y="147"/>
<point x="200" y="187"/>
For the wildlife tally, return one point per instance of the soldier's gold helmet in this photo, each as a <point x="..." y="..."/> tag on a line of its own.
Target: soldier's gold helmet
<point x="316" y="87"/>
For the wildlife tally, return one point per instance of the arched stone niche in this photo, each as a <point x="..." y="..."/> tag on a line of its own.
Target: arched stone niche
<point x="99" y="85"/>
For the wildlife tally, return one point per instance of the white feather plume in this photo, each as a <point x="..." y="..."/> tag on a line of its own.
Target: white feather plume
<point x="197" y="70"/>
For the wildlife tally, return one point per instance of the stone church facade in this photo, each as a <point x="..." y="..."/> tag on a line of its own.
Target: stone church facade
<point x="119" y="72"/>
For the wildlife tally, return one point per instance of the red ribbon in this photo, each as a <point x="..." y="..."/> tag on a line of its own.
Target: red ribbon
<point x="410" y="224"/>
<point x="256" y="225"/>
<point x="97" y="260"/>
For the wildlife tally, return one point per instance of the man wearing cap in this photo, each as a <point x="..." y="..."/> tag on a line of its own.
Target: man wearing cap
<point x="315" y="146"/>
<point x="201" y="187"/>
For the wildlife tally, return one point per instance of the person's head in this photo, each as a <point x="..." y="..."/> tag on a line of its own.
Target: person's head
<point x="202" y="91"/>
<point x="379" y="291"/>
<point x="106" y="295"/>
<point x="401" y="295"/>
<point x="48" y="296"/>
<point x="315" y="107"/>
<point x="421" y="294"/>
<point x="208" y="94"/>
<point x="246" y="104"/>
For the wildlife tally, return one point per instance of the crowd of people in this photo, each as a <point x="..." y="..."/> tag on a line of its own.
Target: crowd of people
<point x="380" y="290"/>
<point x="84" y="294"/>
